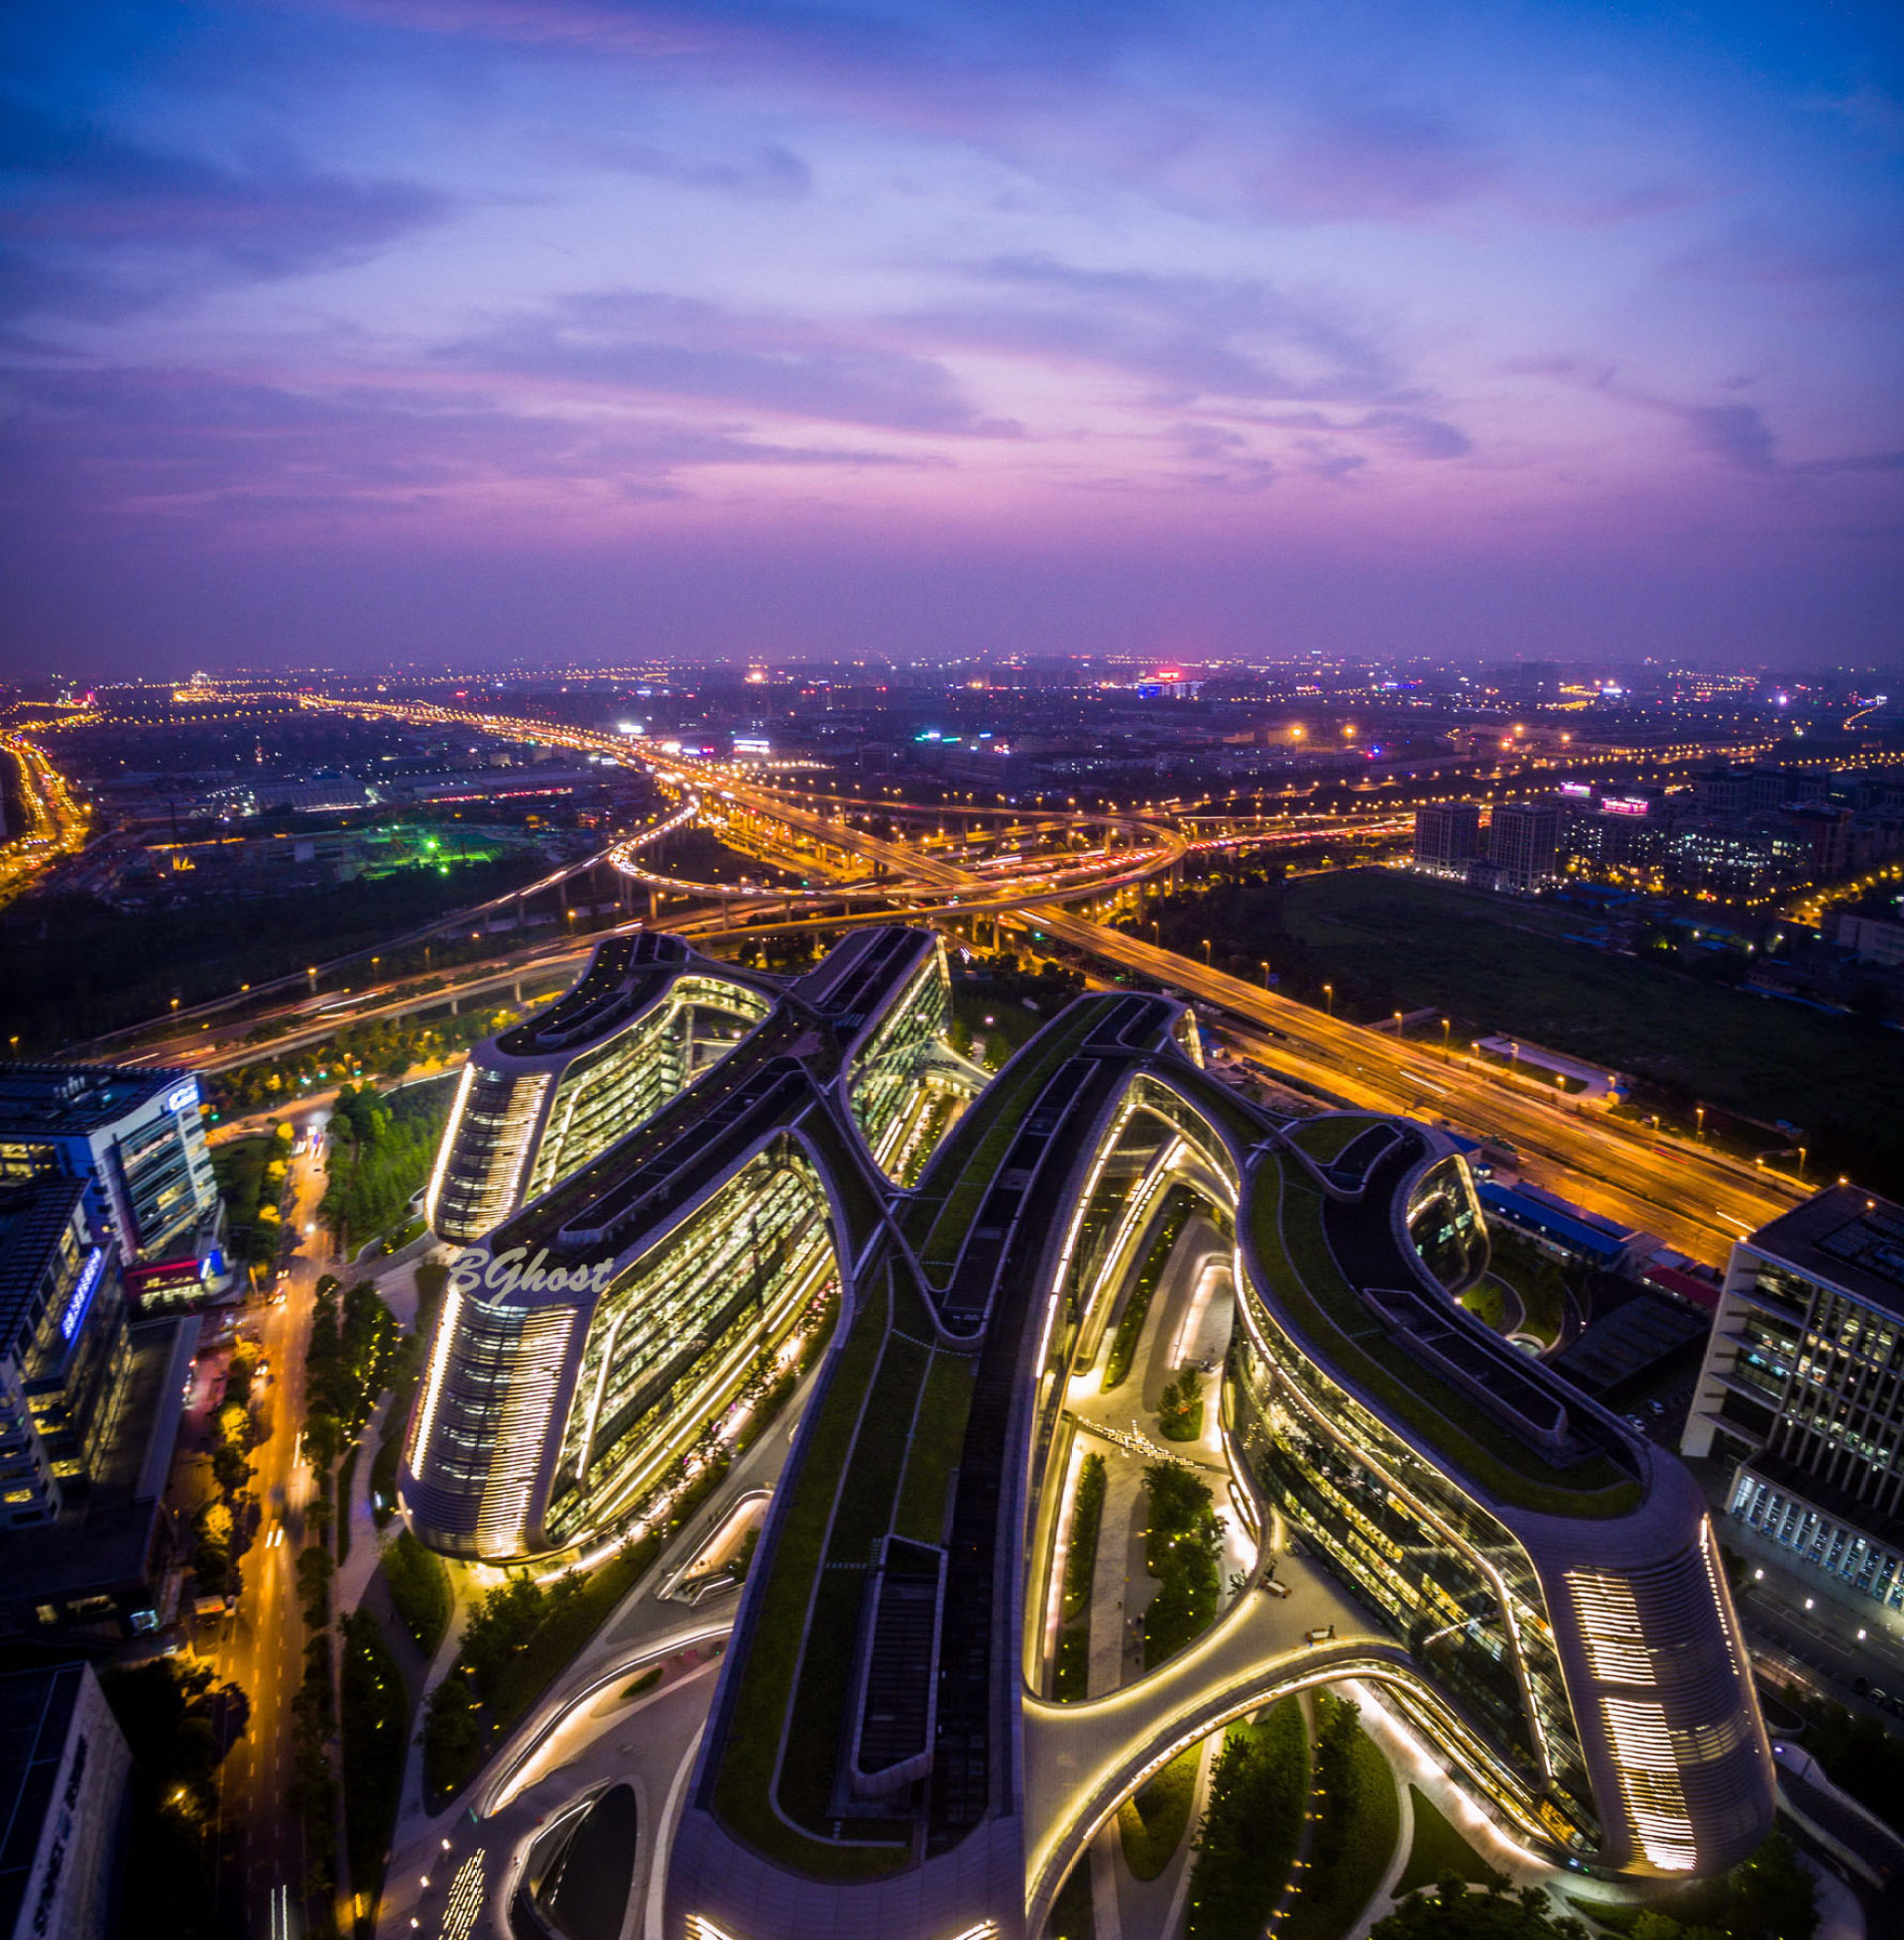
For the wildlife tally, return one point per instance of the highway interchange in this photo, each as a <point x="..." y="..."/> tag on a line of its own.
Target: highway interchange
<point x="997" y="865"/>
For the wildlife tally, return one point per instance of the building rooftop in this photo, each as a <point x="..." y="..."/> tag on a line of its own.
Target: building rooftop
<point x="68" y="1100"/>
<point x="623" y="974"/>
<point x="1847" y="1236"/>
<point x="32" y="1218"/>
<point x="1512" y="1432"/>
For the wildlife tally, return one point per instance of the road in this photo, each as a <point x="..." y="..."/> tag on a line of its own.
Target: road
<point x="1692" y="1197"/>
<point x="56" y="823"/>
<point x="261" y="1647"/>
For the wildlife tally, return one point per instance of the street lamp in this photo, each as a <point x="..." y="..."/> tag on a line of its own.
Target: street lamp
<point x="1698" y="1114"/>
<point x="1265" y="975"/>
<point x="1206" y="953"/>
<point x="1329" y="993"/>
<point x="1446" y="1052"/>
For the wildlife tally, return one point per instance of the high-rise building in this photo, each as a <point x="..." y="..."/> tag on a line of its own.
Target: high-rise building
<point x="1535" y="1589"/>
<point x="1802" y="1391"/>
<point x="1745" y="859"/>
<point x="1523" y="843"/>
<point x="135" y="1138"/>
<point x="655" y="1219"/>
<point x="64" y="1770"/>
<point x="1447" y="836"/>
<point x="62" y="1347"/>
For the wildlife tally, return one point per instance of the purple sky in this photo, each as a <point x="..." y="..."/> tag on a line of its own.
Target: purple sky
<point x="396" y="329"/>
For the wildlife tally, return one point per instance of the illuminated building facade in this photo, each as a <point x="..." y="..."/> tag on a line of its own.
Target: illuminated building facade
<point x="886" y="1753"/>
<point x="541" y="1100"/>
<point x="1556" y="1582"/>
<point x="1548" y="1608"/>
<point x="689" y="1197"/>
<point x="62" y="1347"/>
<point x="133" y="1136"/>
<point x="1803" y="1390"/>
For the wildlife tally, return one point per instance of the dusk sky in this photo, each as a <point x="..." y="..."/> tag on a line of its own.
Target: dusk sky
<point x="402" y="329"/>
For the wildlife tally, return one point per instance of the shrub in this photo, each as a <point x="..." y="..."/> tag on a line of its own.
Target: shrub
<point x="1087" y="1516"/>
<point x="1182" y="1547"/>
<point x="419" y="1589"/>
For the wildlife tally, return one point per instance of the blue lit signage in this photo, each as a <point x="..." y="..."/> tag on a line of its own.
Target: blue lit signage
<point x="183" y="1098"/>
<point x="81" y="1296"/>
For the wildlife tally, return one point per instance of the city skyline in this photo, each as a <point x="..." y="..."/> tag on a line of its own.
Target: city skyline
<point x="359" y="333"/>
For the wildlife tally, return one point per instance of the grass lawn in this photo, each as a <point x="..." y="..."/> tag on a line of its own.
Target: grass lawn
<point x="1336" y="1892"/>
<point x="1169" y="1221"/>
<point x="1087" y="1518"/>
<point x="1152" y="1821"/>
<point x="938" y="1433"/>
<point x="1002" y="1023"/>
<point x="1539" y="1282"/>
<point x="1497" y="964"/>
<point x="1437" y="1848"/>
<point x="1325" y="1139"/>
<point x="1073" y="1915"/>
<point x="1071" y="1666"/>
<point x="1492" y="1303"/>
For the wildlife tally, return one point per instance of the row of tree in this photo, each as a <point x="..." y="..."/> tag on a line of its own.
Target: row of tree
<point x="382" y="1146"/>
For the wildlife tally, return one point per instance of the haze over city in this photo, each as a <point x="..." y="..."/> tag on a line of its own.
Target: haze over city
<point x="347" y="333"/>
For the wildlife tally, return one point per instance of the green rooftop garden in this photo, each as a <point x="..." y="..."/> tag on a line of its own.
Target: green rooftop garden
<point x="1325" y="1139"/>
<point x="1318" y="1299"/>
<point x="1223" y="1106"/>
<point x="882" y="1445"/>
<point x="959" y="1178"/>
<point x="764" y="1697"/>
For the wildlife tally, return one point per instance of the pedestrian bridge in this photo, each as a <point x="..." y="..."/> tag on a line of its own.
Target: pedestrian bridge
<point x="1083" y="1761"/>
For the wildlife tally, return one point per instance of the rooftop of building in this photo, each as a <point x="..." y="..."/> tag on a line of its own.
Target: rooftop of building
<point x="755" y="1088"/>
<point x="1515" y="1435"/>
<point x="1847" y="1236"/>
<point x="33" y="1215"/>
<point x="983" y="1216"/>
<point x="104" y="1541"/>
<point x="69" y="1100"/>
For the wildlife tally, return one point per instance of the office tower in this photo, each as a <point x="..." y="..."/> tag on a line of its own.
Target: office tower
<point x="1448" y="835"/>
<point x="1523" y="843"/>
<point x="135" y="1138"/>
<point x="1803" y="1390"/>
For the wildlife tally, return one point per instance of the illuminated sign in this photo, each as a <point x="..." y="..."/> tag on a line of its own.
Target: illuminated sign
<point x="1579" y="790"/>
<point x="1625" y="805"/>
<point x="751" y="745"/>
<point x="183" y="1098"/>
<point x="81" y="1296"/>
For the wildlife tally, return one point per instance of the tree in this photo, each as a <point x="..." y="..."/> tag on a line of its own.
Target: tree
<point x="1337" y="1774"/>
<point x="324" y="1440"/>
<point x="1449" y="1911"/>
<point x="1771" y="1896"/>
<point x="315" y="1571"/>
<point x="1180" y="1408"/>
